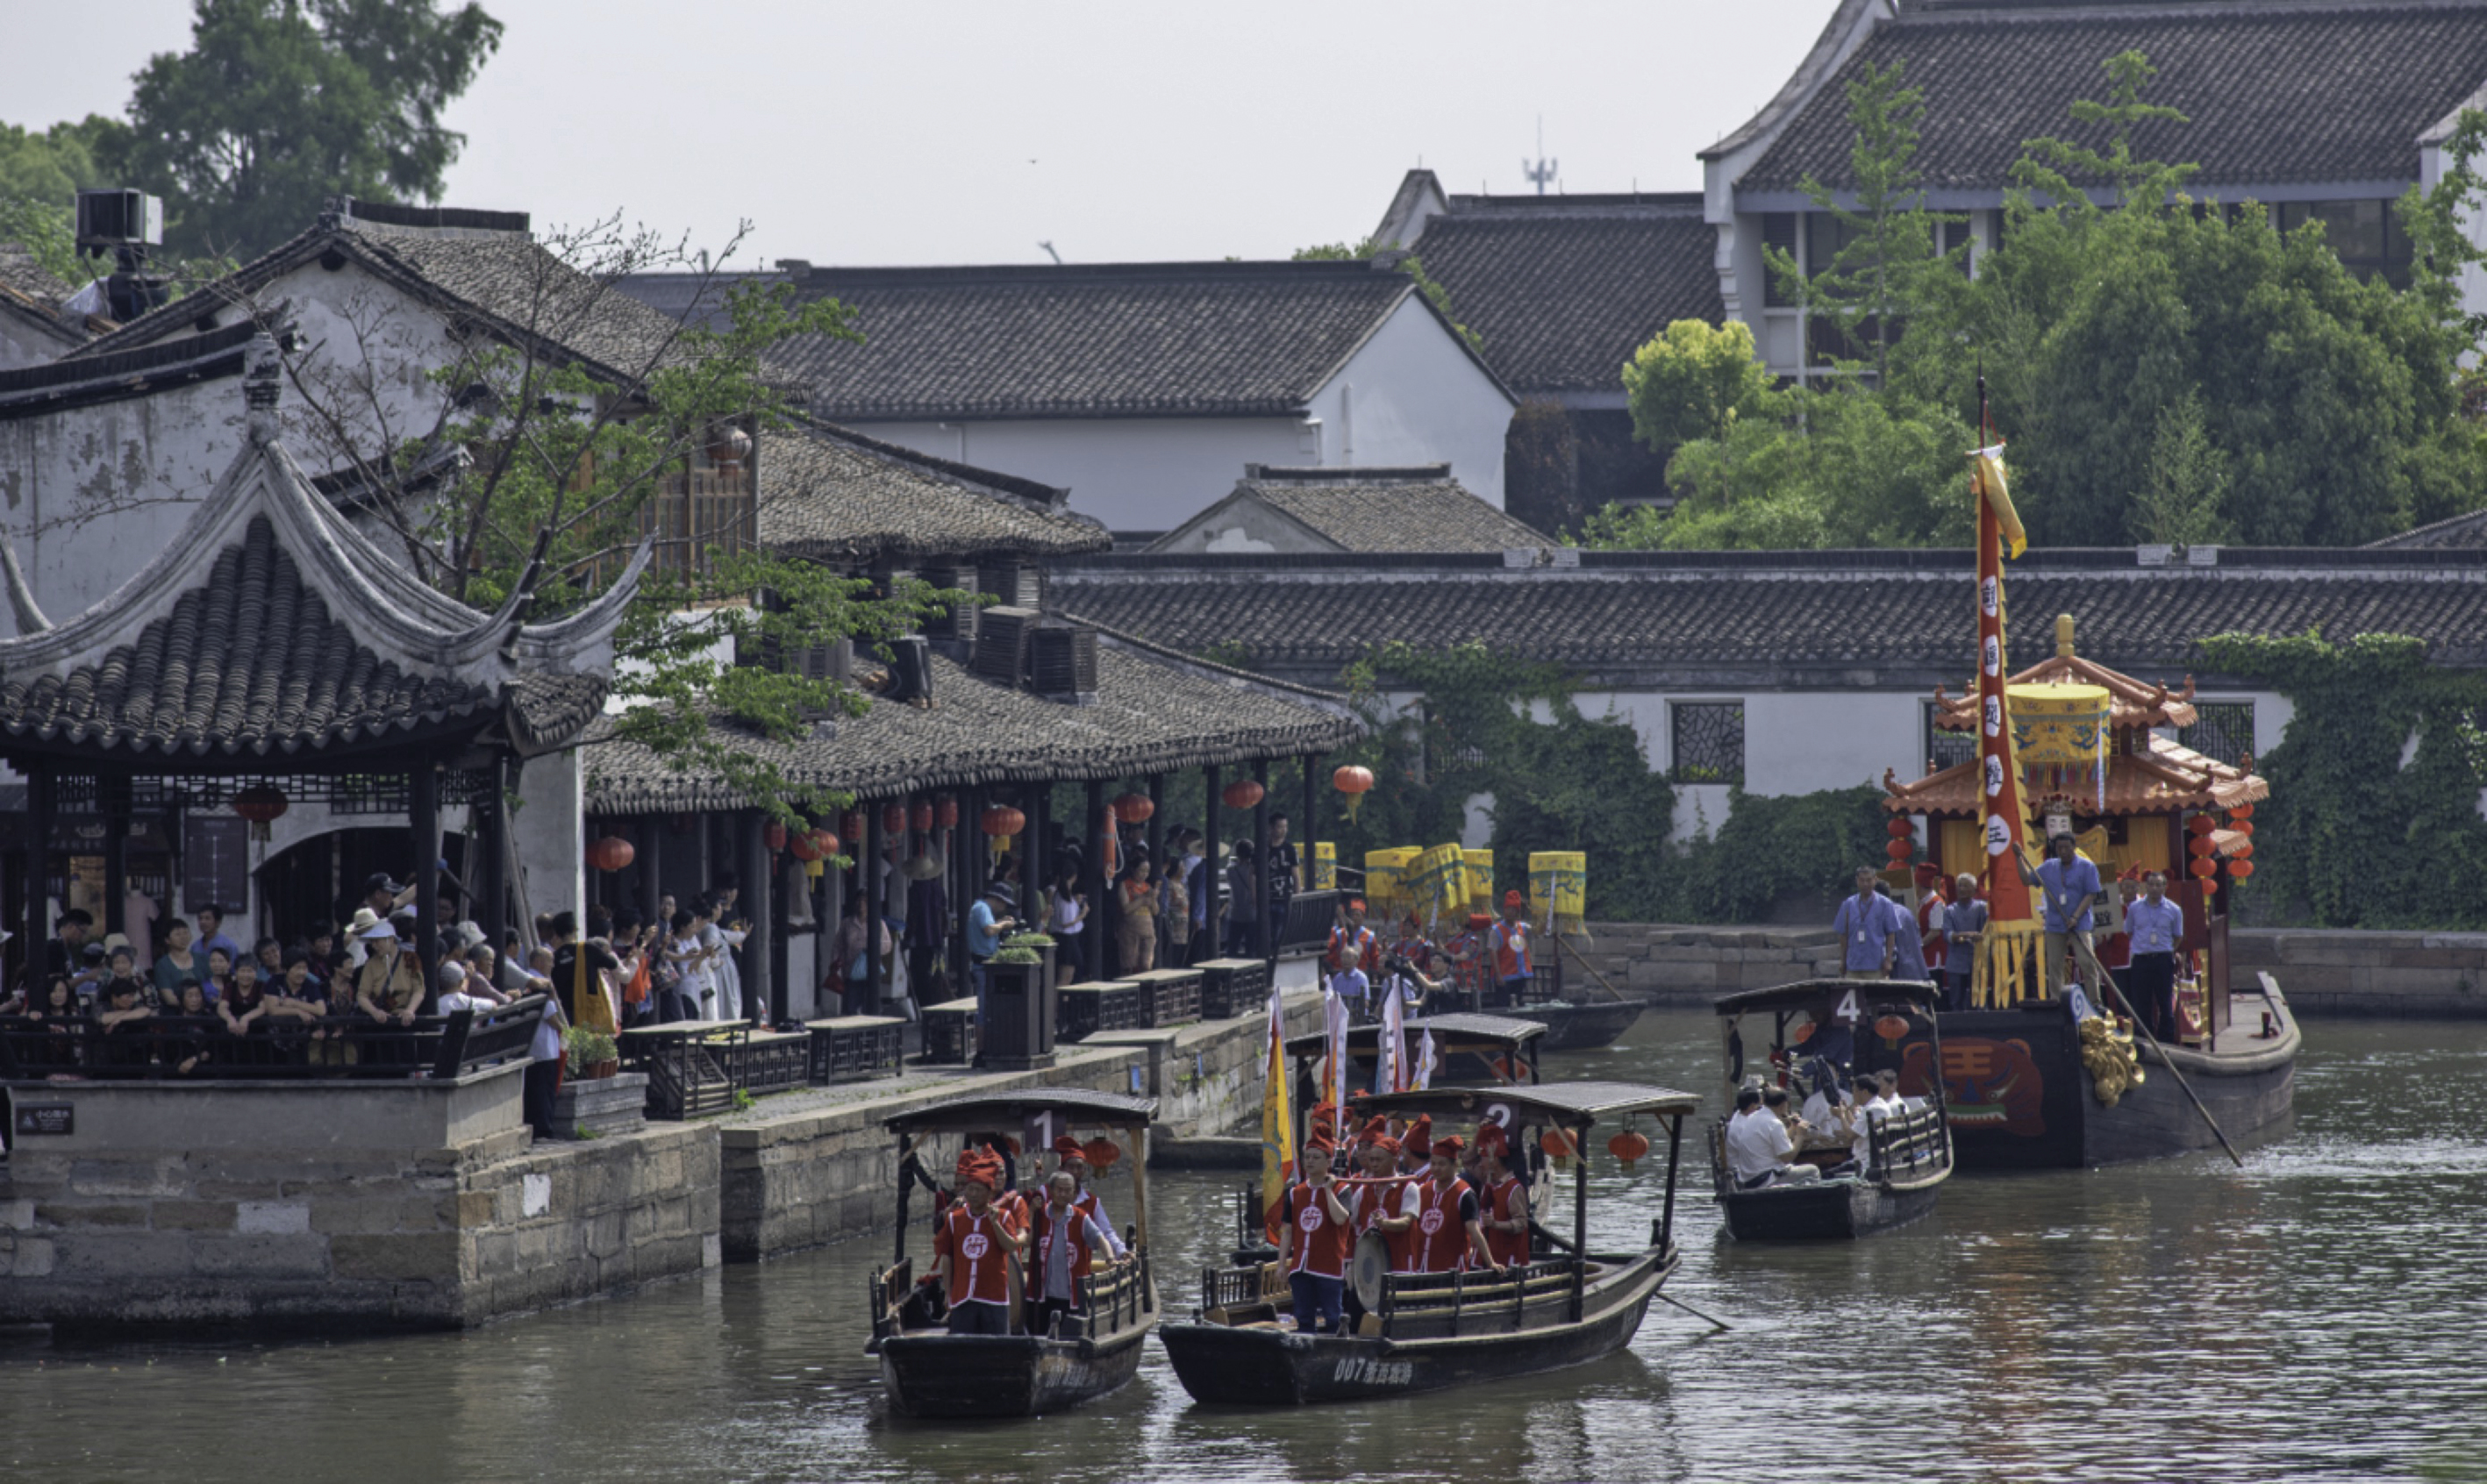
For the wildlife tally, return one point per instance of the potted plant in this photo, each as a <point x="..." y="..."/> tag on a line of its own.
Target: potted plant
<point x="1019" y="1014"/>
<point x="591" y="1053"/>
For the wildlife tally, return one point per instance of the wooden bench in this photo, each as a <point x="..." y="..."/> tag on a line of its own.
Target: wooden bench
<point x="849" y="1047"/>
<point x="1089" y="1008"/>
<point x="773" y="1061"/>
<point x="693" y="1067"/>
<point x="1233" y="987"/>
<point x="950" y="1032"/>
<point x="1168" y="997"/>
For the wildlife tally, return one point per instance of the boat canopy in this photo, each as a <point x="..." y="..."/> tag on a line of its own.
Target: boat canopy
<point x="1806" y="993"/>
<point x="979" y="1114"/>
<point x="1485" y="1034"/>
<point x="1563" y="1103"/>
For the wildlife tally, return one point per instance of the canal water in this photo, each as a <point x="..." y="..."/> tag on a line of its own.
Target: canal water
<point x="2320" y="1314"/>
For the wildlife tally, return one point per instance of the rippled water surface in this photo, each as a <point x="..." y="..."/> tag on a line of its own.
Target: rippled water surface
<point x="2322" y="1313"/>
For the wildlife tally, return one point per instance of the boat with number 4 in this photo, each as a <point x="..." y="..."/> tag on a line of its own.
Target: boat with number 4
<point x="931" y="1373"/>
<point x="1426" y="1330"/>
<point x="1843" y="1029"/>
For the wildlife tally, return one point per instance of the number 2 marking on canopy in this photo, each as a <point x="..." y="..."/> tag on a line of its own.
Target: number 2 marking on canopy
<point x="1847" y="1010"/>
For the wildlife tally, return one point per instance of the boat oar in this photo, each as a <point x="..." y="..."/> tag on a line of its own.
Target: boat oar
<point x="2164" y="1060"/>
<point x="1710" y="1319"/>
<point x="1593" y="973"/>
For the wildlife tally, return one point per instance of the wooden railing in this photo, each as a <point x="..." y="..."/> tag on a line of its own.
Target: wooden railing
<point x="159" y="1048"/>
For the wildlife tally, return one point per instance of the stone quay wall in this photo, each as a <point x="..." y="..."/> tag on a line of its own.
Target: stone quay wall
<point x="2323" y="972"/>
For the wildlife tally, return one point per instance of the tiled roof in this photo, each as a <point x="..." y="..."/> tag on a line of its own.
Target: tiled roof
<point x="245" y="661"/>
<point x="827" y="494"/>
<point x="2163" y="779"/>
<point x="1766" y="614"/>
<point x="1154" y="713"/>
<point x="2455" y="533"/>
<point x="506" y="279"/>
<point x="1564" y="289"/>
<point x="1378" y="510"/>
<point x="2276" y="92"/>
<point x="1141" y="340"/>
<point x="19" y="270"/>
<point x="2131" y="703"/>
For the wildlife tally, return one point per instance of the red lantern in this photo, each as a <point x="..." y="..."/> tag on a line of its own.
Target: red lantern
<point x="1351" y="779"/>
<point x="893" y="818"/>
<point x="612" y="853"/>
<point x="850" y="825"/>
<point x="921" y="816"/>
<point x="1241" y="794"/>
<point x="773" y="835"/>
<point x="2243" y="827"/>
<point x="945" y="812"/>
<point x="2243" y="851"/>
<point x="1900" y="850"/>
<point x="1001" y="821"/>
<point x="2202" y="825"/>
<point x="812" y="845"/>
<point x="1101" y="1153"/>
<point x="1898" y="827"/>
<point x="2239" y="870"/>
<point x="2204" y="866"/>
<point x="1557" y="1146"/>
<point x="2201" y="845"/>
<point x="1891" y="1027"/>
<point x="2242" y="812"/>
<point x="1629" y="1147"/>
<point x="261" y="803"/>
<point x="1134" y="808"/>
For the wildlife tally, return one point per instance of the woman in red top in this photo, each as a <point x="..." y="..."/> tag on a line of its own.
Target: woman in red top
<point x="1446" y="1237"/>
<point x="974" y="1249"/>
<point x="1313" y="1241"/>
<point x="1502" y="1200"/>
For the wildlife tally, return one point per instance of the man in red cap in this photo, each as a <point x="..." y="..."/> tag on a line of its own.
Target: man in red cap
<point x="1416" y="1146"/>
<point x="1073" y="1159"/>
<point x="1446" y="1237"/>
<point x="974" y="1250"/>
<point x="1066" y="1240"/>
<point x="1467" y="951"/>
<point x="1507" y="941"/>
<point x="1352" y="934"/>
<point x="1313" y="1241"/>
<point x="1502" y="1200"/>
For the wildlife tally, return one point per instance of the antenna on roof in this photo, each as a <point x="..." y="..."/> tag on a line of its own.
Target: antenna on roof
<point x="1543" y="171"/>
<point x="1050" y="253"/>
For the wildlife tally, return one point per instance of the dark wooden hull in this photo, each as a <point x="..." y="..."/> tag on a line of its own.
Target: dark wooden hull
<point x="1582" y="1027"/>
<point x="1279" y="1367"/>
<point x="1830" y="1208"/>
<point x="994" y="1376"/>
<point x="2019" y="1098"/>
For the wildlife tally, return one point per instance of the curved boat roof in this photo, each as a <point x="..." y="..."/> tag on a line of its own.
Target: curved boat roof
<point x="1807" y="991"/>
<point x="1568" y="1103"/>
<point x="1461" y="1032"/>
<point x="982" y="1113"/>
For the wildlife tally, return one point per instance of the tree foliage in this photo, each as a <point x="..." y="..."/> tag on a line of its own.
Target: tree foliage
<point x="2354" y="836"/>
<point x="1694" y="381"/>
<point x="1408" y="264"/>
<point x="279" y="104"/>
<point x="40" y="176"/>
<point x="1541" y="467"/>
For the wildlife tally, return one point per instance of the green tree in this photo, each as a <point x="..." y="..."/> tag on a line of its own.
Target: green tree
<point x="1891" y="265"/>
<point x="282" y="103"/>
<point x="1693" y="381"/>
<point x="40" y="176"/>
<point x="2179" y="503"/>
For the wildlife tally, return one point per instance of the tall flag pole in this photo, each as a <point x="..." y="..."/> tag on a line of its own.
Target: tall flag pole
<point x="2012" y="931"/>
<point x="1277" y="1125"/>
<point x="1424" y="1071"/>
<point x="1334" y="1085"/>
<point x="1389" y="1068"/>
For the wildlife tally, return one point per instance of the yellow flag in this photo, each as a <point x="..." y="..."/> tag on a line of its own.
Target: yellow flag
<point x="1277" y="1122"/>
<point x="1986" y="477"/>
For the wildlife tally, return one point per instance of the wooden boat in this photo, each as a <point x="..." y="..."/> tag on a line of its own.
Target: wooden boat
<point x="1584" y="1028"/>
<point x="1861" y="1026"/>
<point x="1423" y="1332"/>
<point x="1473" y="1047"/>
<point x="2019" y="1098"/>
<point x="930" y="1373"/>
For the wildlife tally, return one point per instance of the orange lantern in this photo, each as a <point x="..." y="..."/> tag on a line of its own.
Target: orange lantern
<point x="2201" y="845"/>
<point x="1628" y="1146"/>
<point x="1101" y="1153"/>
<point x="2242" y="812"/>
<point x="1241" y="794"/>
<point x="2243" y="827"/>
<point x="921" y="816"/>
<point x="1134" y="808"/>
<point x="2240" y="870"/>
<point x="262" y="805"/>
<point x="2204" y="866"/>
<point x="610" y="854"/>
<point x="945" y="812"/>
<point x="1890" y="1029"/>
<point x="1557" y="1146"/>
<point x="1355" y="782"/>
<point x="1002" y="820"/>
<point x="2242" y="852"/>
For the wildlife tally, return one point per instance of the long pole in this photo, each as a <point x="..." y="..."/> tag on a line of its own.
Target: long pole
<point x="1584" y="964"/>
<point x="2164" y="1060"/>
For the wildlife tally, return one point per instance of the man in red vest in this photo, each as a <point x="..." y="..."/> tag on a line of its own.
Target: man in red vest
<point x="1507" y="944"/>
<point x="975" y="1252"/>
<point x="1353" y="933"/>
<point x="1066" y="1240"/>
<point x="1416" y="1146"/>
<point x="1313" y="1241"/>
<point x="1502" y="1200"/>
<point x="1447" y="1237"/>
<point x="1072" y="1158"/>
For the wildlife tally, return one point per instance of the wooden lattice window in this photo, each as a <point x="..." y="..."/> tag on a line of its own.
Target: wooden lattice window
<point x="2223" y="731"/>
<point x="1708" y="741"/>
<point x="1945" y="750"/>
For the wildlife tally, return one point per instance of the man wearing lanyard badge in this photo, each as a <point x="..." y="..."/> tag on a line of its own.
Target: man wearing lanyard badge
<point x="2068" y="881"/>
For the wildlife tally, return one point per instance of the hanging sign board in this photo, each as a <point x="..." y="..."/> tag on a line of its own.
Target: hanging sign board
<point x="215" y="862"/>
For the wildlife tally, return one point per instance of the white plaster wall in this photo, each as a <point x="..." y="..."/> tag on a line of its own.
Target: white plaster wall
<point x="1132" y="473"/>
<point x="552" y="848"/>
<point x="1413" y="394"/>
<point x="1248" y="525"/>
<point x="24" y="345"/>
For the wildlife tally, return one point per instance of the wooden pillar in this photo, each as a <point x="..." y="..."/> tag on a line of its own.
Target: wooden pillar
<point x="424" y="814"/>
<point x="1307" y="828"/>
<point x="1157" y="826"/>
<point x="495" y="836"/>
<point x="1044" y="837"/>
<point x="652" y="886"/>
<point x="1104" y="912"/>
<point x="1213" y="920"/>
<point x="967" y="865"/>
<point x="1265" y="935"/>
<point x="112" y="798"/>
<point x="763" y="1000"/>
<point x="40" y="782"/>
<point x="868" y="882"/>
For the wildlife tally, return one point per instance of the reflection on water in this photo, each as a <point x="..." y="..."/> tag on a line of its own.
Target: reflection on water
<point x="2315" y="1314"/>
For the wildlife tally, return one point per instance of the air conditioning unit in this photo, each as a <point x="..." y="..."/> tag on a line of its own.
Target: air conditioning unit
<point x="1013" y="584"/>
<point x="111" y="219"/>
<point x="1062" y="665"/>
<point x="959" y="623"/>
<point x="911" y="669"/>
<point x="1001" y="644"/>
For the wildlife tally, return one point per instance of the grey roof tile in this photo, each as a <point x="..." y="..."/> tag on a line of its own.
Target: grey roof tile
<point x="828" y="492"/>
<point x="2453" y="533"/>
<point x="1383" y="510"/>
<point x="2276" y="92"/>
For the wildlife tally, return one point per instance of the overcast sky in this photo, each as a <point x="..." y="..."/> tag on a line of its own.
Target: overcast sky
<point x="967" y="132"/>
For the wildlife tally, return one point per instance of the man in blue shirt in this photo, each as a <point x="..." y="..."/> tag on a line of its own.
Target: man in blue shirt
<point x="2067" y="882"/>
<point x="1876" y="934"/>
<point x="2156" y="925"/>
<point x="212" y="936"/>
<point x="986" y="926"/>
<point x="1964" y="923"/>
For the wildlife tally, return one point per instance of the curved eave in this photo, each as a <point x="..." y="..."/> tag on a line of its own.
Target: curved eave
<point x="332" y="747"/>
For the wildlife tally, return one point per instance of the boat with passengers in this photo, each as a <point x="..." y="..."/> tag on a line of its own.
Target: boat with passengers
<point x="1564" y="1305"/>
<point x="1083" y="1355"/>
<point x="1831" y="1038"/>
